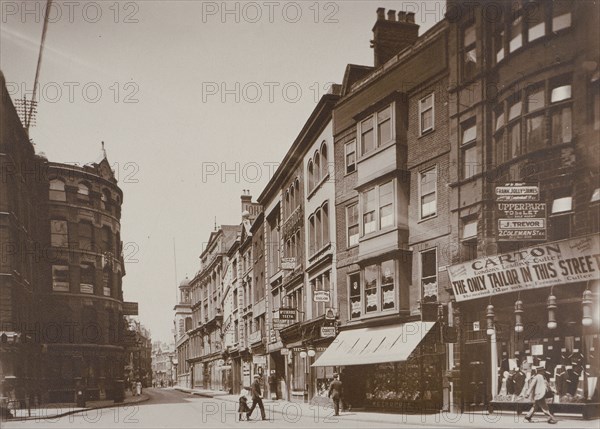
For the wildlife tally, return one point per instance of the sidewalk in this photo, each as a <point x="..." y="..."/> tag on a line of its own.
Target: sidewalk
<point x="49" y="411"/>
<point x="324" y="412"/>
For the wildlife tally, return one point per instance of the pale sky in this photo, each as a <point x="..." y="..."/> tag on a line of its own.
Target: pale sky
<point x="193" y="107"/>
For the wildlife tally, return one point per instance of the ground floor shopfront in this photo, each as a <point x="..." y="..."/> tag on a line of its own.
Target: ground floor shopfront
<point x="504" y="335"/>
<point x="395" y="367"/>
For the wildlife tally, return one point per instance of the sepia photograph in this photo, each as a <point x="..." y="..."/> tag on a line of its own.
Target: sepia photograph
<point x="299" y="214"/>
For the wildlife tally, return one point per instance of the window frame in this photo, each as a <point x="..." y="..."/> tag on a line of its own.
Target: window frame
<point x="346" y="153"/>
<point x="53" y="234"/>
<point x="421" y="195"/>
<point x="422" y="278"/>
<point x="377" y="210"/>
<point x="422" y="111"/>
<point x="466" y="146"/>
<point x="375" y="125"/>
<point x="348" y="225"/>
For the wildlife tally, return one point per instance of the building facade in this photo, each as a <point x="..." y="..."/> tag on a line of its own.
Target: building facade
<point x="62" y="280"/>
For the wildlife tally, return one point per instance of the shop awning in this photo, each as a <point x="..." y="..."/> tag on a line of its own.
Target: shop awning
<point x="380" y="344"/>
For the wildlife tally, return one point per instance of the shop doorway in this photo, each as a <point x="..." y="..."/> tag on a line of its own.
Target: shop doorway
<point x="475" y="378"/>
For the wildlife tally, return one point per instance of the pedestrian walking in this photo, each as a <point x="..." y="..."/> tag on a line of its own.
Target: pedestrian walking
<point x="335" y="393"/>
<point x="537" y="393"/>
<point x="138" y="388"/>
<point x="256" y="398"/>
<point x="243" y="405"/>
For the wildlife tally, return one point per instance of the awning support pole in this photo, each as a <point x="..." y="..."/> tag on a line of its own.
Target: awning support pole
<point x="494" y="364"/>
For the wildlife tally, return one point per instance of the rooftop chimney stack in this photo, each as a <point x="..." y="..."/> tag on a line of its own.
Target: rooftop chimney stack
<point x="391" y="36"/>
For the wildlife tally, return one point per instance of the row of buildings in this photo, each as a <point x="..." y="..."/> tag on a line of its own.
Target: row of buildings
<point x="431" y="232"/>
<point x="63" y="323"/>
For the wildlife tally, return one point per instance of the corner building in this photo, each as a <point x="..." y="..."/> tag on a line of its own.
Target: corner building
<point x="524" y="115"/>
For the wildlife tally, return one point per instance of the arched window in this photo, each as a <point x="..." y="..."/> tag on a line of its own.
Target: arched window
<point x="297" y="193"/>
<point x="317" y="168"/>
<point x="324" y="164"/>
<point x="325" y="221"/>
<point x="311" y="235"/>
<point x="57" y="190"/>
<point x="83" y="191"/>
<point x="292" y="200"/>
<point x="286" y="204"/>
<point x="319" y="231"/>
<point x="311" y="175"/>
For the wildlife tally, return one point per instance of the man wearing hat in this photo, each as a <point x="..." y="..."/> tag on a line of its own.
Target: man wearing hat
<point x="335" y="393"/>
<point x="256" y="398"/>
<point x="537" y="393"/>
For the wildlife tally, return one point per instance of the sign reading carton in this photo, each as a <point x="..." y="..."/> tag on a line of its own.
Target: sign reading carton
<point x="549" y="264"/>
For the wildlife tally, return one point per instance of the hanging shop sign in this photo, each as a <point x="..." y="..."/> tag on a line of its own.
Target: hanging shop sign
<point x="549" y="264"/>
<point x="327" y="331"/>
<point x="287" y="313"/>
<point x="521" y="217"/>
<point x="321" y="295"/>
<point x="288" y="263"/>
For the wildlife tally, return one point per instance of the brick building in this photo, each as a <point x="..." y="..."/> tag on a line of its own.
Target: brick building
<point x="62" y="298"/>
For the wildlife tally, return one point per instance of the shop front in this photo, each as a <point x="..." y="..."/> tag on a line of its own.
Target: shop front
<point x="535" y="308"/>
<point x="395" y="367"/>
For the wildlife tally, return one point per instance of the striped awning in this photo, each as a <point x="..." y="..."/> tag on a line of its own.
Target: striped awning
<point x="380" y="344"/>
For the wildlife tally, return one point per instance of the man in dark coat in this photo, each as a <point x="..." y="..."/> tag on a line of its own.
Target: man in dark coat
<point x="256" y="398"/>
<point x="335" y="393"/>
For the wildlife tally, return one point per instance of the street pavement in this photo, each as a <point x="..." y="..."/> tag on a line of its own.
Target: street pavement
<point x="169" y="408"/>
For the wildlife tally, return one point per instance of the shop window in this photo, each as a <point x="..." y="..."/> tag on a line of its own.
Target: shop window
<point x="352" y="223"/>
<point x="388" y="277"/>
<point x="426" y="114"/>
<point x="321" y="283"/>
<point x="350" y="156"/>
<point x="88" y="278"/>
<point x="561" y="15"/>
<point x="376" y="131"/>
<point x="470" y="164"/>
<point x="428" y="193"/>
<point x="378" y="207"/>
<point x="355" y="295"/>
<point x="429" y="284"/>
<point x="57" y="190"/>
<point x="59" y="236"/>
<point x="469" y="68"/>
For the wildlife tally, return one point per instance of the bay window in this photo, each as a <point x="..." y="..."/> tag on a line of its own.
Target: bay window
<point x="355" y="295"/>
<point x="379" y="288"/>
<point x="378" y="207"/>
<point x="376" y="130"/>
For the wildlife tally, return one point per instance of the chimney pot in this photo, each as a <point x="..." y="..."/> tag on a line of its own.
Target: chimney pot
<point x="391" y="14"/>
<point x="402" y="16"/>
<point x="410" y="17"/>
<point x="380" y="13"/>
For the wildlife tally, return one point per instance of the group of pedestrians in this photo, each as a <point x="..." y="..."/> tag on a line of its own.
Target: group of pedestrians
<point x="335" y="393"/>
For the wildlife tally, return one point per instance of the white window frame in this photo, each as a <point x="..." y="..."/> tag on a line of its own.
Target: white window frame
<point x="349" y="244"/>
<point x="376" y="138"/>
<point x="421" y="195"/>
<point x="378" y="207"/>
<point x="422" y="111"/>
<point x="346" y="152"/>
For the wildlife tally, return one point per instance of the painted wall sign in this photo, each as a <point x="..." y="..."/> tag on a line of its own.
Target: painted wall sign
<point x="548" y="264"/>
